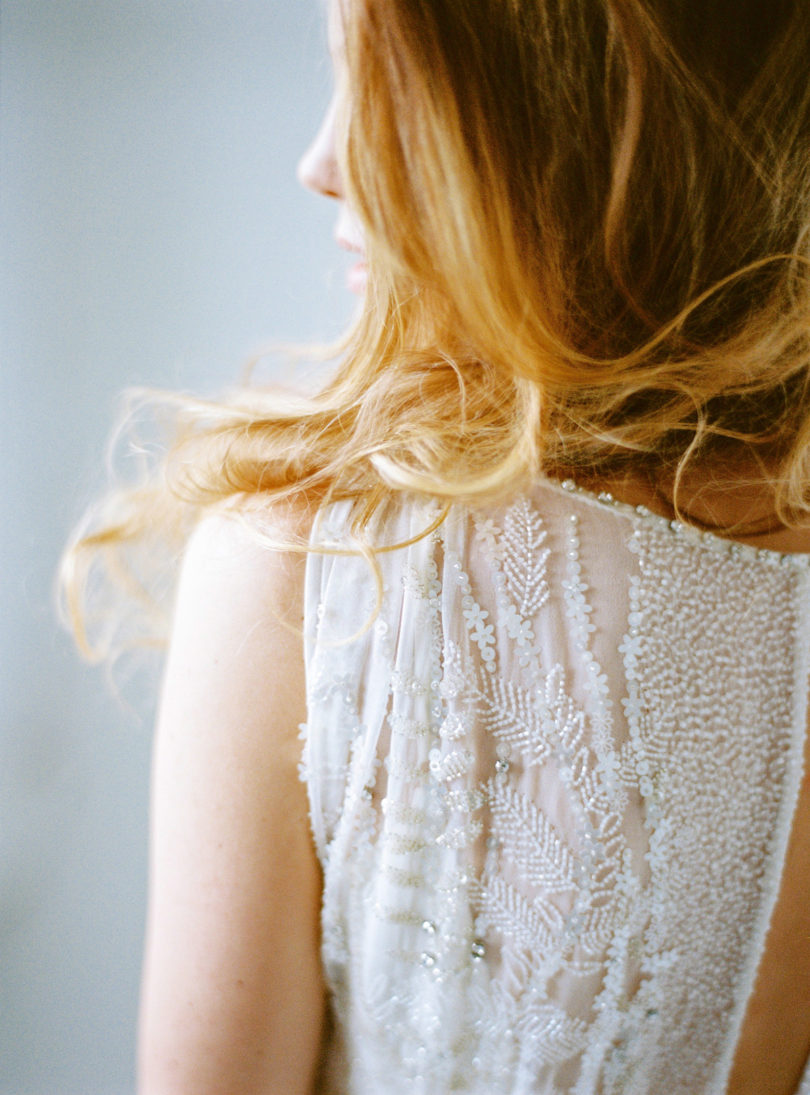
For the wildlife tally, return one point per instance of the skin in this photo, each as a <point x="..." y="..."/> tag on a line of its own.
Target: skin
<point x="775" y="1040"/>
<point x="233" y="997"/>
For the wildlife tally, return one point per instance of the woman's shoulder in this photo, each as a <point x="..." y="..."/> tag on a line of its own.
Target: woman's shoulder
<point x="239" y="604"/>
<point x="255" y="532"/>
<point x="235" y="889"/>
<point x="259" y="553"/>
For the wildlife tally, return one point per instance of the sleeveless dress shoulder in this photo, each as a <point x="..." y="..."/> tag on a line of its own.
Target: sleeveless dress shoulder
<point x="553" y="753"/>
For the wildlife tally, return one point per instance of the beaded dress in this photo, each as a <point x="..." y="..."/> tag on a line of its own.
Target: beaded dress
<point x="551" y="788"/>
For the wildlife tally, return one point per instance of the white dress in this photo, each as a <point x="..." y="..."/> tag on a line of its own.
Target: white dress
<point x="551" y="785"/>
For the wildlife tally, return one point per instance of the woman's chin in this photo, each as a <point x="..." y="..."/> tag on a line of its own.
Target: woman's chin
<point x="357" y="277"/>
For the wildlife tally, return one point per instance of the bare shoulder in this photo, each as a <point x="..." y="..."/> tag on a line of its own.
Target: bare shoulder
<point x="237" y="631"/>
<point x="232" y="995"/>
<point x="262" y="555"/>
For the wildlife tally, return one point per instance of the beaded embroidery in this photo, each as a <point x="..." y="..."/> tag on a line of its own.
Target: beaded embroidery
<point x="551" y="789"/>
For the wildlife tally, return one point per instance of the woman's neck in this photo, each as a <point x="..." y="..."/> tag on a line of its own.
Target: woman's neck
<point x="737" y="505"/>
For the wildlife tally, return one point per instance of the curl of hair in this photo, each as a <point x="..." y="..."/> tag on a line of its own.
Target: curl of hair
<point x="587" y="225"/>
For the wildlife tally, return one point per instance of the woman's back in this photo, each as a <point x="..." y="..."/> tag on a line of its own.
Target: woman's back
<point x="552" y="789"/>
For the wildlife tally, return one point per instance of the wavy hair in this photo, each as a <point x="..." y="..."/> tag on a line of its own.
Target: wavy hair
<point x="587" y="231"/>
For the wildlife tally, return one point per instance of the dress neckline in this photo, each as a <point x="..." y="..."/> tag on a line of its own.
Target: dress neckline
<point x="640" y="513"/>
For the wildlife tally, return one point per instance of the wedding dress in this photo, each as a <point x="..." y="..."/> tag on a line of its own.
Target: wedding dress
<point x="552" y="760"/>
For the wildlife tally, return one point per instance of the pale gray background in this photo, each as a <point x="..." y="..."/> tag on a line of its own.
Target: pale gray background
<point x="152" y="233"/>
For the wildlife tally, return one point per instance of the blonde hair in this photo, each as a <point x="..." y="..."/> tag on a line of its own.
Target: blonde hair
<point x="587" y="230"/>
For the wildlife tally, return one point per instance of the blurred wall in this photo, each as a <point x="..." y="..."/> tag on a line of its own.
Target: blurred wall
<point x="152" y="233"/>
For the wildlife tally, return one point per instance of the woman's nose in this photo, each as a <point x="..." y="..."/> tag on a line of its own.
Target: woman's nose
<point x="318" y="169"/>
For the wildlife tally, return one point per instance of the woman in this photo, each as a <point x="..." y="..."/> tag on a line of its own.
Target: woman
<point x="553" y="738"/>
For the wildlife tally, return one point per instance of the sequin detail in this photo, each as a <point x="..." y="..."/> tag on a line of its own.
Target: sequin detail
<point x="551" y="789"/>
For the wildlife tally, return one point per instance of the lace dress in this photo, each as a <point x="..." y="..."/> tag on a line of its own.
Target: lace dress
<point x="551" y="787"/>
